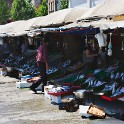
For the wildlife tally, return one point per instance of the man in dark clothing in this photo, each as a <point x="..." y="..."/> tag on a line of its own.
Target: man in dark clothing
<point x="42" y="63"/>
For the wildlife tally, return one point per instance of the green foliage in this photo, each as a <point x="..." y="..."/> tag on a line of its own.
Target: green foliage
<point x="63" y="4"/>
<point x="42" y="9"/>
<point x="22" y="10"/>
<point x="29" y="1"/>
<point x="4" y="11"/>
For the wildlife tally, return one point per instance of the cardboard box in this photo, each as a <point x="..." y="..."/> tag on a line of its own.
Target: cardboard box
<point x="96" y="111"/>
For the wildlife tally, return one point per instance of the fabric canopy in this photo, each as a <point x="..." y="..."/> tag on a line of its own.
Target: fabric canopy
<point x="8" y="28"/>
<point x="17" y="28"/>
<point x="102" y="24"/>
<point x="61" y="17"/>
<point x="108" y="8"/>
<point x="23" y="28"/>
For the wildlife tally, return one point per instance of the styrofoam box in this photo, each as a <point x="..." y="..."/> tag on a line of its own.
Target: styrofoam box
<point x="58" y="99"/>
<point x="2" y="73"/>
<point x="83" y="110"/>
<point x="121" y="99"/>
<point x="23" y="84"/>
<point x="46" y="89"/>
<point x="25" y="78"/>
<point x="68" y="96"/>
<point x="39" y="87"/>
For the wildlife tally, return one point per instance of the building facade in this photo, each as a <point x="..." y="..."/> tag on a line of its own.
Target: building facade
<point x="84" y="3"/>
<point x="10" y="2"/>
<point x="36" y="3"/>
<point x="53" y="5"/>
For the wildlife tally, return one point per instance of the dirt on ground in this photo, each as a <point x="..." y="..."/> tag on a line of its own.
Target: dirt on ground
<point x="21" y="106"/>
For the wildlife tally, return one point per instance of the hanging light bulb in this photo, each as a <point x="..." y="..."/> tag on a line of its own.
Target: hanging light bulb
<point x="110" y="37"/>
<point x="122" y="48"/>
<point x="110" y="47"/>
<point x="93" y="46"/>
<point x="57" y="44"/>
<point x="65" y="45"/>
<point x="86" y="41"/>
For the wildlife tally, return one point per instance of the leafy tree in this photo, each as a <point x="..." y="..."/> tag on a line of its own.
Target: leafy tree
<point x="22" y="10"/>
<point x="63" y="4"/>
<point x="4" y="11"/>
<point x="29" y="1"/>
<point x="42" y="9"/>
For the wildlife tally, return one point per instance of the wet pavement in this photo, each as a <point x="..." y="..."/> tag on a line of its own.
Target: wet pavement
<point x="20" y="106"/>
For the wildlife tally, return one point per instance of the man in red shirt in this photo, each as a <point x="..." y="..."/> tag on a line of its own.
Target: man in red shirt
<point x="42" y="63"/>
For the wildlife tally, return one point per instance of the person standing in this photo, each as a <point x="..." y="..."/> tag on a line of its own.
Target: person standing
<point x="24" y="47"/>
<point x="42" y="63"/>
<point x="90" y="57"/>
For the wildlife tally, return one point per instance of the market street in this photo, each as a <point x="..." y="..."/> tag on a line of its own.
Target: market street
<point x="20" y="106"/>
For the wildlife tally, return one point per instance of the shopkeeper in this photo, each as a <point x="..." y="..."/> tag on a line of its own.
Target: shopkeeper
<point x="90" y="57"/>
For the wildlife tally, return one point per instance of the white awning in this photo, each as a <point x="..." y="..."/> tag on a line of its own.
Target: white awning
<point x="102" y="24"/>
<point x="9" y="27"/>
<point x="61" y="17"/>
<point x="108" y="8"/>
<point x="17" y="28"/>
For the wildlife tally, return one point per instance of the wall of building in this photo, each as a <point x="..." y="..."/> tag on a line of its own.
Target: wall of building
<point x="53" y="5"/>
<point x="84" y="3"/>
<point x="73" y="3"/>
<point x="36" y="3"/>
<point x="10" y="2"/>
<point x="58" y="4"/>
